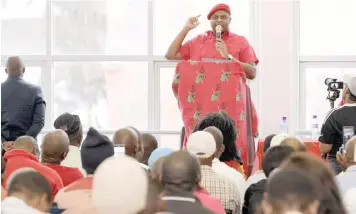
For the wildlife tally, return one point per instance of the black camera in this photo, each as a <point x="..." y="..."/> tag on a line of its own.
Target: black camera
<point x="334" y="88"/>
<point x="333" y="84"/>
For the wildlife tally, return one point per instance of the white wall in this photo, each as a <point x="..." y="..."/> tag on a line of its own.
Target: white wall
<point x="276" y="27"/>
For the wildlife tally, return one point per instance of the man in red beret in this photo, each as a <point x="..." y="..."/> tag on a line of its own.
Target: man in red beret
<point x="204" y="46"/>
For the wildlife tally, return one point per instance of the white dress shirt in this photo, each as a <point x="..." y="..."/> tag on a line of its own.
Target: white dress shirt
<point x="13" y="205"/>
<point x="230" y="173"/>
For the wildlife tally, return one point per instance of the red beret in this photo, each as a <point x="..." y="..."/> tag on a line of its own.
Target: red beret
<point x="218" y="7"/>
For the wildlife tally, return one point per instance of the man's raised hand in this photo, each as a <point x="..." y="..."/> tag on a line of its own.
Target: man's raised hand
<point x="192" y="22"/>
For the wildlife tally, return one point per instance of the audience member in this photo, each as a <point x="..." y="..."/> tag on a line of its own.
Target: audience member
<point x="71" y="124"/>
<point x="347" y="160"/>
<point x="350" y="200"/>
<point x="130" y="138"/>
<point x="258" y="174"/>
<point x="55" y="147"/>
<point x="272" y="159"/>
<point x="277" y="140"/>
<point x="95" y="149"/>
<point x="149" y="145"/>
<point x="332" y="136"/>
<point x="117" y="192"/>
<point x="226" y="125"/>
<point x="295" y="143"/>
<point x="22" y="104"/>
<point x="223" y="169"/>
<point x="180" y="175"/>
<point x="289" y="191"/>
<point x="310" y="164"/>
<point x="202" y="145"/>
<point x="28" y="192"/>
<point x="210" y="202"/>
<point x="23" y="155"/>
<point x="157" y="154"/>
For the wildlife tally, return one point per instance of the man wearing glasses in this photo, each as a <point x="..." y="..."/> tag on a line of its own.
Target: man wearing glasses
<point x="204" y="46"/>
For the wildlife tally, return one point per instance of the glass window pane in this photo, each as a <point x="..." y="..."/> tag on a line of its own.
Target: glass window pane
<point x="100" y="27"/>
<point x="23" y="27"/>
<point x="168" y="141"/>
<point x="32" y="75"/>
<point x="316" y="91"/>
<point x="171" y="118"/>
<point x="170" y="17"/>
<point x="106" y="95"/>
<point x="326" y="27"/>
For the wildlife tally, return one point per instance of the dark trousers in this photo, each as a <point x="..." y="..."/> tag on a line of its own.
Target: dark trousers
<point x="334" y="165"/>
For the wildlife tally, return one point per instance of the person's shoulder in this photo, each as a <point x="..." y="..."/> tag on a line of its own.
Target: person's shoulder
<point x="259" y="186"/>
<point x="240" y="38"/>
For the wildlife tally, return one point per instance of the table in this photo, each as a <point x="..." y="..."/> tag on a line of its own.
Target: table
<point x="312" y="147"/>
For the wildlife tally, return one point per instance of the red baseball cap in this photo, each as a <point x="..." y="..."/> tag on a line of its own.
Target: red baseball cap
<point x="218" y="7"/>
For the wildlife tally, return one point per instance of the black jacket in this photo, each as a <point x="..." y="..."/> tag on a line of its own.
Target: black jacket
<point x="253" y="197"/>
<point x="22" y="109"/>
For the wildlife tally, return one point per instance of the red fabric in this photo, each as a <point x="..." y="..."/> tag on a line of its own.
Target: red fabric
<point x="85" y="183"/>
<point x="312" y="147"/>
<point x="202" y="88"/>
<point x="203" y="46"/>
<point x="3" y="193"/>
<point x="218" y="7"/>
<point x="68" y="174"/>
<point x="210" y="202"/>
<point x="342" y="103"/>
<point x="17" y="159"/>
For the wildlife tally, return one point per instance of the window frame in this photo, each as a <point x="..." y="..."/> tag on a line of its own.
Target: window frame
<point x="315" y="61"/>
<point x="155" y="62"/>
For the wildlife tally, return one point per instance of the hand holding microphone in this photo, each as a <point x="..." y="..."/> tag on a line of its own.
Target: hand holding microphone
<point x="220" y="44"/>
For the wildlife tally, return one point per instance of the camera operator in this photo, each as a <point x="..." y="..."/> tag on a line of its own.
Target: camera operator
<point x="331" y="138"/>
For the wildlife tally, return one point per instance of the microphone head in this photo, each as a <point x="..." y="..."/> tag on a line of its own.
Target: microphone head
<point x="218" y="29"/>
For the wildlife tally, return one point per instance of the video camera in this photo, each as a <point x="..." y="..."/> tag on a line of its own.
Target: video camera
<point x="334" y="88"/>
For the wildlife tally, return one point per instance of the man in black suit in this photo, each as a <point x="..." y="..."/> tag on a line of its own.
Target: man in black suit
<point x="22" y="104"/>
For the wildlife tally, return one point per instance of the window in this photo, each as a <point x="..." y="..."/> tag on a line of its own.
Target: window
<point x="23" y="27"/>
<point x="170" y="17"/>
<point x="32" y="75"/>
<point x="171" y="118"/>
<point x="106" y="95"/>
<point x="316" y="91"/>
<point x="326" y="27"/>
<point x="169" y="141"/>
<point x="100" y="27"/>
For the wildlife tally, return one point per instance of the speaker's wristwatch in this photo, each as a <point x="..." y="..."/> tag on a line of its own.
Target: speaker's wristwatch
<point x="229" y="57"/>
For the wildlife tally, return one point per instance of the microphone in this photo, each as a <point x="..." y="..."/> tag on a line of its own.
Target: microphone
<point x="218" y="32"/>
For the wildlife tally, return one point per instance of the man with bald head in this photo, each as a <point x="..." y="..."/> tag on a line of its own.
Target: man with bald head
<point x="296" y="144"/>
<point x="347" y="159"/>
<point x="23" y="154"/>
<point x="55" y="148"/>
<point x="220" y="167"/>
<point x="22" y="104"/>
<point x="180" y="174"/>
<point x="149" y="145"/>
<point x="130" y="139"/>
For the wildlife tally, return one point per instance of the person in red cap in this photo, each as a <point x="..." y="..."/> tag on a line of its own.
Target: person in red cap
<point x="208" y="45"/>
<point x="231" y="46"/>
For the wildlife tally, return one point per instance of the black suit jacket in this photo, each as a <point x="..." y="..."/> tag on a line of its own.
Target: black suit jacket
<point x="22" y="109"/>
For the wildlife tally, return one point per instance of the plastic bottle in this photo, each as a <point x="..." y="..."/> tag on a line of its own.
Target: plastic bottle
<point x="284" y="125"/>
<point x="315" y="128"/>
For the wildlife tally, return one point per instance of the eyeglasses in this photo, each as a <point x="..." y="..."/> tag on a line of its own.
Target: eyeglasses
<point x="222" y="17"/>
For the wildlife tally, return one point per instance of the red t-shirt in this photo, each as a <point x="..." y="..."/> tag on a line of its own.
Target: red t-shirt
<point x="68" y="174"/>
<point x="203" y="46"/>
<point x="18" y="158"/>
<point x="208" y="201"/>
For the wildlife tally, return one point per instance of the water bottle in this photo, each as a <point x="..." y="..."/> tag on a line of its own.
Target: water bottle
<point x="284" y="125"/>
<point x="315" y="128"/>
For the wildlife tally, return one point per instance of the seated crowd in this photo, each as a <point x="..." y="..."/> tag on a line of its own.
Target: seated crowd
<point x="69" y="174"/>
